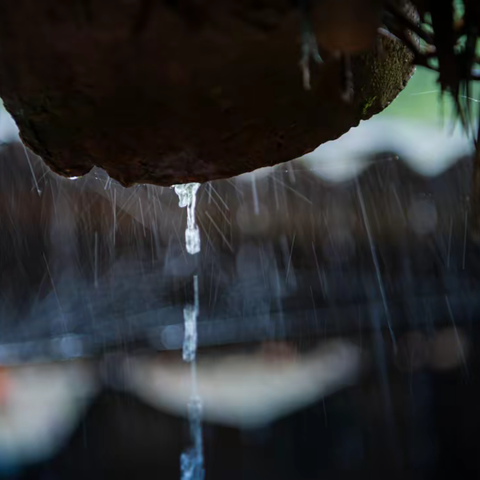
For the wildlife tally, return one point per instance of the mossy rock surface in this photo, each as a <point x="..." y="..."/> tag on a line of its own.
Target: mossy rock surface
<point x="179" y="91"/>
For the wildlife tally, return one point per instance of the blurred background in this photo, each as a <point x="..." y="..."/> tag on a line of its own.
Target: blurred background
<point x="338" y="307"/>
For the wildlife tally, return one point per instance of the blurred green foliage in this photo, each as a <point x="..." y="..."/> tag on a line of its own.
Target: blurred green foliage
<point x="421" y="99"/>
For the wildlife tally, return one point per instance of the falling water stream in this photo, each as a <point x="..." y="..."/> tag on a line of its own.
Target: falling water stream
<point x="191" y="461"/>
<point x="187" y="196"/>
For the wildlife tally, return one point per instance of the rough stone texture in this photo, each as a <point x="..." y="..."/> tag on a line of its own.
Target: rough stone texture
<point x="178" y="91"/>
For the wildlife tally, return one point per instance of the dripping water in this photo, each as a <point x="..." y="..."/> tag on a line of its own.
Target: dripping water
<point x="191" y="461"/>
<point x="187" y="196"/>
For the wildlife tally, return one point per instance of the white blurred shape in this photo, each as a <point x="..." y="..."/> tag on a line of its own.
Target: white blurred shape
<point x="40" y="407"/>
<point x="430" y="150"/>
<point x="8" y="127"/>
<point x="426" y="149"/>
<point x="248" y="390"/>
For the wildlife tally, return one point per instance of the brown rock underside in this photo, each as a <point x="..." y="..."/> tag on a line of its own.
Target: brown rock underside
<point x="163" y="93"/>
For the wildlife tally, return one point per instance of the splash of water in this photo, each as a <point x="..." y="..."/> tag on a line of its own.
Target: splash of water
<point x="187" y="196"/>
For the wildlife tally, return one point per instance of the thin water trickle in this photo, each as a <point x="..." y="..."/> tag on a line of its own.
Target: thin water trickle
<point x="191" y="461"/>
<point x="187" y="196"/>
<point x="190" y="314"/>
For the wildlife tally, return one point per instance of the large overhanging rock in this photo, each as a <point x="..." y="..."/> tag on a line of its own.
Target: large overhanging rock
<point x="177" y="91"/>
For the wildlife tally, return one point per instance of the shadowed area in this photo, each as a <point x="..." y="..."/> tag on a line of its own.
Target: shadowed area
<point x="177" y="92"/>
